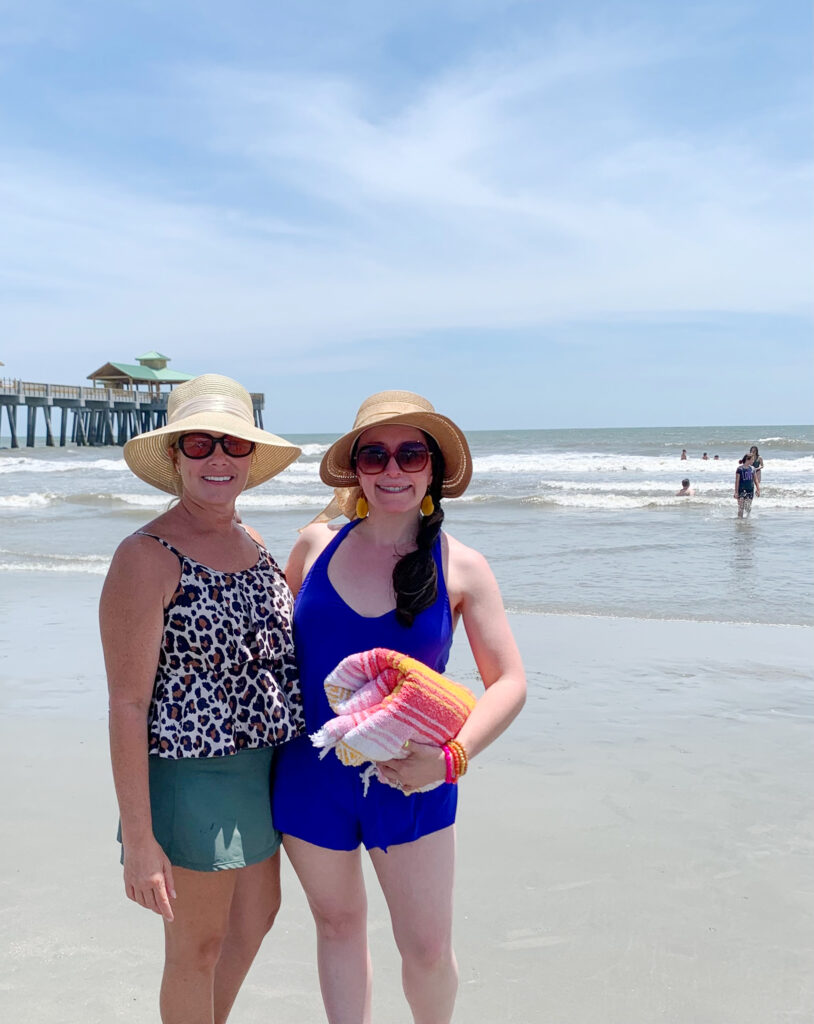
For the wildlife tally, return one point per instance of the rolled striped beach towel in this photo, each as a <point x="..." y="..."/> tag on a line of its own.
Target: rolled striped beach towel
<point x="382" y="699"/>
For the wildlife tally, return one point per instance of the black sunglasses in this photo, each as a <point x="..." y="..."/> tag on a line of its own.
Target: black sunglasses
<point x="411" y="457"/>
<point x="201" y="446"/>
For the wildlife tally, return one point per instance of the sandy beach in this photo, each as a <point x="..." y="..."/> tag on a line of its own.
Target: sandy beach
<point x="637" y="848"/>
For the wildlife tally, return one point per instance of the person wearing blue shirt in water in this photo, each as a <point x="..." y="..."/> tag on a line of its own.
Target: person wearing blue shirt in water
<point x="746" y="485"/>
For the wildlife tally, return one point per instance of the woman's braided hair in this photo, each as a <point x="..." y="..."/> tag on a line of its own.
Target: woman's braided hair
<point x="415" y="576"/>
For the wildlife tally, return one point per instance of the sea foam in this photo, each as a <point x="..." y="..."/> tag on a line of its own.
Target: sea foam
<point x="66" y="465"/>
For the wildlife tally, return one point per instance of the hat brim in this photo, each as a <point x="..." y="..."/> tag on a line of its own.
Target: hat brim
<point x="336" y="471"/>
<point x="146" y="454"/>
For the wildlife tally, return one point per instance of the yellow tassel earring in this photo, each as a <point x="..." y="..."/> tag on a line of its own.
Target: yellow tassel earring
<point x="427" y="505"/>
<point x="362" y="508"/>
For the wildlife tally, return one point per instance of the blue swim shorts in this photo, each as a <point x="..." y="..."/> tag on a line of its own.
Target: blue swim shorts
<point x="323" y="802"/>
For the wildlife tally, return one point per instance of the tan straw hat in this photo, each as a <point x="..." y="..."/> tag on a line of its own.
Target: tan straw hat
<point x="217" y="405"/>
<point x="411" y="410"/>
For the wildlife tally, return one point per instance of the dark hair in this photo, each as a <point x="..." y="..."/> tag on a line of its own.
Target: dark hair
<point x="415" y="576"/>
<point x="685" y="482"/>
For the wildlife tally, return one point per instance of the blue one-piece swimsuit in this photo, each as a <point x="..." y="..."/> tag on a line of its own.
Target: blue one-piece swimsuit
<point x="323" y="801"/>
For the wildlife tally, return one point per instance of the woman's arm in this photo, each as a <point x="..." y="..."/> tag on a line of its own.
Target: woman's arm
<point x="141" y="580"/>
<point x="494" y="649"/>
<point x="476" y="597"/>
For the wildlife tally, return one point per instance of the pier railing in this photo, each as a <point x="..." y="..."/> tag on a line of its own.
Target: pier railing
<point x="31" y="389"/>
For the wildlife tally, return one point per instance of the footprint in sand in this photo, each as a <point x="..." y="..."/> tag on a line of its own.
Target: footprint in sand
<point x="527" y="939"/>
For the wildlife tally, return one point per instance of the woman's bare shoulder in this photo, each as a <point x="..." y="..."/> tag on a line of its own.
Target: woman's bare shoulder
<point x="141" y="557"/>
<point x="250" y="530"/>
<point x="462" y="557"/>
<point x="466" y="571"/>
<point x="310" y="544"/>
<point x="316" y="536"/>
<point x="141" y="544"/>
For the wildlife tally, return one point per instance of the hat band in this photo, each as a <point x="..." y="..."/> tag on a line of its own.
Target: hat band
<point x="383" y="410"/>
<point x="211" y="403"/>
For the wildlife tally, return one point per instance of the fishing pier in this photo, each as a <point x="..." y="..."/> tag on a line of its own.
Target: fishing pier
<point x="126" y="399"/>
<point x="88" y="416"/>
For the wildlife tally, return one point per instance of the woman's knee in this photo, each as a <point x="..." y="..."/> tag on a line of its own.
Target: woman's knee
<point x="273" y="910"/>
<point x="196" y="952"/>
<point x="427" y="953"/>
<point x="267" y="915"/>
<point x="337" y="922"/>
<point x="249" y="930"/>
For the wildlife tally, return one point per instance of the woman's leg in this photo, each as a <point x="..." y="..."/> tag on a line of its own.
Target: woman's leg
<point x="333" y="883"/>
<point x="417" y="881"/>
<point x="192" y="944"/>
<point x="255" y="903"/>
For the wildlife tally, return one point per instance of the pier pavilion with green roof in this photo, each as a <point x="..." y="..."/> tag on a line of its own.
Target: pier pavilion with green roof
<point x="150" y="369"/>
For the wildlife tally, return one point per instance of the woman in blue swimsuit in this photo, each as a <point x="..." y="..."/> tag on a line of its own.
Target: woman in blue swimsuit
<point x="389" y="578"/>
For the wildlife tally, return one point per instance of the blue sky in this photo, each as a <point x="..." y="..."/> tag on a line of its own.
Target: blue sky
<point x="536" y="214"/>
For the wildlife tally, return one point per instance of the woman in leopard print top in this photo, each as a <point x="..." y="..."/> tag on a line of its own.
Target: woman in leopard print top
<point x="197" y="635"/>
<point x="226" y="678"/>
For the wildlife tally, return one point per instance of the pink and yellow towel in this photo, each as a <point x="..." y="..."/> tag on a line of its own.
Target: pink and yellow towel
<point x="382" y="699"/>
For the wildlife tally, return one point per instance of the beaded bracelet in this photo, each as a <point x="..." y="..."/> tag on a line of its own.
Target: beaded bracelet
<point x="457" y="760"/>
<point x="460" y="755"/>
<point x="451" y="772"/>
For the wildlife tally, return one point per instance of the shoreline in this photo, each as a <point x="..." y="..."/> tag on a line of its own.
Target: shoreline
<point x="630" y="617"/>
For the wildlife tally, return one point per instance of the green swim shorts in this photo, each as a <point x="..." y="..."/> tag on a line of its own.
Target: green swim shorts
<point x="213" y="813"/>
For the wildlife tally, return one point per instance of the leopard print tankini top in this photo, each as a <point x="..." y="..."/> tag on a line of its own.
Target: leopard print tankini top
<point x="227" y="677"/>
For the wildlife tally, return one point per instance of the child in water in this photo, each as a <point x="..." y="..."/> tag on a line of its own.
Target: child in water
<point x="746" y="486"/>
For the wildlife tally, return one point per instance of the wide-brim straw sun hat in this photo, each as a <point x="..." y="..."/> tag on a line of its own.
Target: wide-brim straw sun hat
<point x="409" y="409"/>
<point x="217" y="405"/>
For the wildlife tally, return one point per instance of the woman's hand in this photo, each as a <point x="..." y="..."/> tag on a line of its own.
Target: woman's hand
<point x="422" y="765"/>
<point x="148" y="877"/>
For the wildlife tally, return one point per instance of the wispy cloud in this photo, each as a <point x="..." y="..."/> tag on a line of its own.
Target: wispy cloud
<point x="522" y="183"/>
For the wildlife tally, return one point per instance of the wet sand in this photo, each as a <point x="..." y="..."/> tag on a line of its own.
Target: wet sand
<point x="637" y="848"/>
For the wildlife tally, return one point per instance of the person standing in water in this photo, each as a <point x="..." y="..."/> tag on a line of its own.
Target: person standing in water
<point x="746" y="486"/>
<point x="757" y="465"/>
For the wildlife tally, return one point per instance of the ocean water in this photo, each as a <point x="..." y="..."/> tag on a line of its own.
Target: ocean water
<point x="572" y="521"/>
